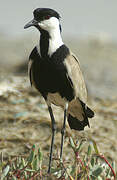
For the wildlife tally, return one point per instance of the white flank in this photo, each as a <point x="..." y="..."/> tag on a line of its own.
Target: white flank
<point x="38" y="50"/>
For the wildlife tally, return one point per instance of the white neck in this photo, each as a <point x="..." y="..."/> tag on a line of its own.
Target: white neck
<point x="55" y="40"/>
<point x="52" y="26"/>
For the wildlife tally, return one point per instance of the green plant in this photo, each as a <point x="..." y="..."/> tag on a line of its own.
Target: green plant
<point x="88" y="165"/>
<point x="23" y="168"/>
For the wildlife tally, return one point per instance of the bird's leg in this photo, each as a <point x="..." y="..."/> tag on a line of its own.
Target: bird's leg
<point x="63" y="130"/>
<point x="53" y="134"/>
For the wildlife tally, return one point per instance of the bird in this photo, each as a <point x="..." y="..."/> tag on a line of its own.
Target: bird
<point x="56" y="74"/>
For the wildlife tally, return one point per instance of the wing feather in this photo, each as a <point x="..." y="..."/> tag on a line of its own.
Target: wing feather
<point x="74" y="73"/>
<point x="33" y="57"/>
<point x="29" y="70"/>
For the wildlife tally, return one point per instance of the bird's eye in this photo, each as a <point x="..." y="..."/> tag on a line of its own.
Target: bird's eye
<point x="47" y="17"/>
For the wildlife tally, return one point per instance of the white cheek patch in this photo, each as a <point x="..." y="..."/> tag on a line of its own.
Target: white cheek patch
<point x="49" y="24"/>
<point x="42" y="25"/>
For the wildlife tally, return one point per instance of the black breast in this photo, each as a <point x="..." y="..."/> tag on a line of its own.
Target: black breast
<point x="50" y="74"/>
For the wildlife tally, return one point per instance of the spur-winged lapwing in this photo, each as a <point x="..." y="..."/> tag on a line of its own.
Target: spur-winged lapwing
<point x="55" y="72"/>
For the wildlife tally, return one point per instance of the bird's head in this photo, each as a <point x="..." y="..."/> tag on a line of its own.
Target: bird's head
<point x="44" y="19"/>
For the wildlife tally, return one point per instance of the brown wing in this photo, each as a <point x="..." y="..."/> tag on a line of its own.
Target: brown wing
<point x="33" y="56"/>
<point x="29" y="70"/>
<point x="75" y="74"/>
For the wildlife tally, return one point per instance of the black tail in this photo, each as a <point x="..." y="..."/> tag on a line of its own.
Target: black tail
<point x="76" y="124"/>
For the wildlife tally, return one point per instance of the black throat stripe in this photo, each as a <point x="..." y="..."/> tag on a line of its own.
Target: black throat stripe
<point x="44" y="43"/>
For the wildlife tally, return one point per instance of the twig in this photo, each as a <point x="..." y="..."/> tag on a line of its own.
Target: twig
<point x="102" y="157"/>
<point x="78" y="158"/>
<point x="34" y="175"/>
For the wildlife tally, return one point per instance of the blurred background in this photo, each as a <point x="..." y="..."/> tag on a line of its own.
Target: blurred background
<point x="89" y="28"/>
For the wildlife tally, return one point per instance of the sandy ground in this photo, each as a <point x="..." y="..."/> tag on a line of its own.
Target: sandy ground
<point x="24" y="119"/>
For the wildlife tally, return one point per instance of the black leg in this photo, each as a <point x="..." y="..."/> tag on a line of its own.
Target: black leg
<point x="63" y="131"/>
<point x="53" y="134"/>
